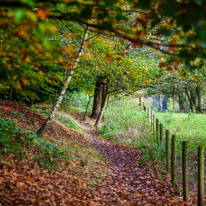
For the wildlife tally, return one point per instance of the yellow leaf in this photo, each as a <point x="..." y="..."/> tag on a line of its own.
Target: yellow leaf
<point x="69" y="48"/>
<point x="41" y="73"/>
<point x="165" y="25"/>
<point x="24" y="82"/>
<point x="196" y="77"/>
<point x="52" y="28"/>
<point x="87" y="44"/>
<point x="9" y="68"/>
<point x="70" y="35"/>
<point x="15" y="77"/>
<point x="18" y="85"/>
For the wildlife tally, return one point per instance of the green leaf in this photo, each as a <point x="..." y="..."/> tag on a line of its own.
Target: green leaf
<point x="28" y="2"/>
<point x="19" y="15"/>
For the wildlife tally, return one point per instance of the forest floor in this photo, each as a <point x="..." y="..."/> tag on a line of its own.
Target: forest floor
<point x="119" y="180"/>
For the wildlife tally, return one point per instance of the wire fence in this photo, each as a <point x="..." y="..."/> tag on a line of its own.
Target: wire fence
<point x="184" y="162"/>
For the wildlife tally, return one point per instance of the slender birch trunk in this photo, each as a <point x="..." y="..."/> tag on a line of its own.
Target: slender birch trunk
<point x="43" y="128"/>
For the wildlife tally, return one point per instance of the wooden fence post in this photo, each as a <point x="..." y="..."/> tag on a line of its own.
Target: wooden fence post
<point x="161" y="133"/>
<point x="157" y="128"/>
<point x="148" y="111"/>
<point x="173" y="161"/>
<point x="145" y="108"/>
<point x="185" y="171"/>
<point x="140" y="101"/>
<point x="167" y="151"/>
<point x="151" y="117"/>
<point x="200" y="176"/>
<point x="153" y="125"/>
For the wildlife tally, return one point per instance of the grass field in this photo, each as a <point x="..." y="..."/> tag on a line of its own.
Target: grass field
<point x="124" y="115"/>
<point x="190" y="127"/>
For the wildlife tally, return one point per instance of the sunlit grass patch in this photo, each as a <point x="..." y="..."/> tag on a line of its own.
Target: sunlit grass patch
<point x="190" y="127"/>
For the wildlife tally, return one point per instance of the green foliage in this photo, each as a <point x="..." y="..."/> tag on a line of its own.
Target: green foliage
<point x="124" y="122"/>
<point x="67" y="121"/>
<point x="31" y="88"/>
<point x="177" y="191"/>
<point x="49" y="154"/>
<point x="12" y="139"/>
<point x="25" y="53"/>
<point x="19" y="143"/>
<point x="76" y="100"/>
<point x="190" y="127"/>
<point x="155" y="152"/>
<point x="30" y="41"/>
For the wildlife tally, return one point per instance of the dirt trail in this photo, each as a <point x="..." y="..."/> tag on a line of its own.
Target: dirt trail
<point x="130" y="184"/>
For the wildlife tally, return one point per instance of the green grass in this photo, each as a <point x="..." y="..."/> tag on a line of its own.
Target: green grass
<point x="124" y="122"/>
<point x="67" y="121"/>
<point x="189" y="127"/>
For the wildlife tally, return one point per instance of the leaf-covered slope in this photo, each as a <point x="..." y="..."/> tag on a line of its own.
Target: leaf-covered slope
<point x="24" y="181"/>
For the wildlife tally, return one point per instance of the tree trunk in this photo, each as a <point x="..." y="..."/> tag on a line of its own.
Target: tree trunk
<point x="104" y="104"/>
<point x="107" y="101"/>
<point x="193" y="97"/>
<point x="161" y="102"/>
<point x="173" y="102"/>
<point x="104" y="94"/>
<point x="85" y="114"/>
<point x="43" y="128"/>
<point x="181" y="103"/>
<point x="97" y="98"/>
<point x="199" y="108"/>
<point x="189" y="98"/>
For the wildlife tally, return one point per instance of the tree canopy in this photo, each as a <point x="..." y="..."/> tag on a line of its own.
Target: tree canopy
<point x="43" y="44"/>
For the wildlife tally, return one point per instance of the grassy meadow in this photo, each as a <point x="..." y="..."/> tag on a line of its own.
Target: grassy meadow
<point x="189" y="127"/>
<point x="124" y="120"/>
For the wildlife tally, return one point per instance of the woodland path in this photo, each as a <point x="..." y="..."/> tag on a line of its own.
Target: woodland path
<point x="126" y="183"/>
<point x="129" y="183"/>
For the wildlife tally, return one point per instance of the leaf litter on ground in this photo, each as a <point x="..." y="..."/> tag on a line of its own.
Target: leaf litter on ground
<point x="84" y="180"/>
